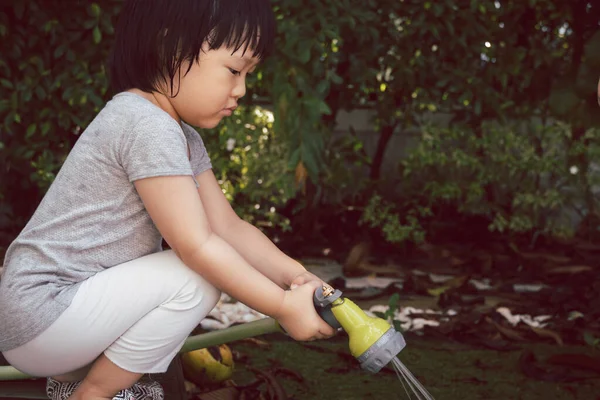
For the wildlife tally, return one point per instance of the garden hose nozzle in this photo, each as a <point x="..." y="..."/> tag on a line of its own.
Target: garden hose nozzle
<point x="373" y="341"/>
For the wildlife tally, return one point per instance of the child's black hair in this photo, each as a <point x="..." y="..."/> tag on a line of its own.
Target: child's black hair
<point x="155" y="37"/>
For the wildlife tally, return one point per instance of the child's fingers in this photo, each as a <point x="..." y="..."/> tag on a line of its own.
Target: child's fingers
<point x="327" y="330"/>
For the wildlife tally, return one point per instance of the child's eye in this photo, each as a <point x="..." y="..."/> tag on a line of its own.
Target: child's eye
<point x="233" y="71"/>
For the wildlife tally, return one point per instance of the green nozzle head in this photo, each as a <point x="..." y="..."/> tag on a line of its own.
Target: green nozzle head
<point x="373" y="341"/>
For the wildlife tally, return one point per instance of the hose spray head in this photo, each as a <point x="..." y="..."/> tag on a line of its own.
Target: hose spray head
<point x="372" y="341"/>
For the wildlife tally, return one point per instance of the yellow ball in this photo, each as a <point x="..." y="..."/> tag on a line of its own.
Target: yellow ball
<point x="210" y="365"/>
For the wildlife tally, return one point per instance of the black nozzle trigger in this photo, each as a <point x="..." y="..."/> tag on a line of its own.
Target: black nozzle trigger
<point x="323" y="306"/>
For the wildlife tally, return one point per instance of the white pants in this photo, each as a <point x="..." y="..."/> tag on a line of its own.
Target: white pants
<point x="138" y="314"/>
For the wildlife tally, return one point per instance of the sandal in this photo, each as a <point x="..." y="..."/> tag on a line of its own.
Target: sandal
<point x="152" y="390"/>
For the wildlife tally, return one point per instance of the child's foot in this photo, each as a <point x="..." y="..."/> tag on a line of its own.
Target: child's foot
<point x="147" y="390"/>
<point x="56" y="390"/>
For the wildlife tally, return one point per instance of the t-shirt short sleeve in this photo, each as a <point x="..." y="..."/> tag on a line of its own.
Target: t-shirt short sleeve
<point x="156" y="146"/>
<point x="199" y="159"/>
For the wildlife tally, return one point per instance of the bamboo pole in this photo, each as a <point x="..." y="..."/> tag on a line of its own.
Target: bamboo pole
<point x="231" y="334"/>
<point x="214" y="338"/>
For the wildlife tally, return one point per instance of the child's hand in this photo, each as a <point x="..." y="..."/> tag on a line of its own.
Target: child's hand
<point x="303" y="278"/>
<point x="297" y="314"/>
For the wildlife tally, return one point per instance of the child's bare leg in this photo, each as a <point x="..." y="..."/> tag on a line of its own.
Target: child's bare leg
<point x="104" y="380"/>
<point x="74" y="376"/>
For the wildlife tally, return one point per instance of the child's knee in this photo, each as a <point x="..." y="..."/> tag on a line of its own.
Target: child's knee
<point x="191" y="280"/>
<point x="213" y="296"/>
<point x="206" y="292"/>
<point x="199" y="295"/>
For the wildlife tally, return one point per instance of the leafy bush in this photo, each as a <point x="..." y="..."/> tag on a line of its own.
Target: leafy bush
<point x="520" y="177"/>
<point x="52" y="82"/>
<point x="397" y="226"/>
<point x="249" y="161"/>
<point x="537" y="57"/>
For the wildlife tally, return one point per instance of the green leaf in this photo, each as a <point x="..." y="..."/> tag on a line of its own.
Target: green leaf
<point x="60" y="50"/>
<point x="95" y="10"/>
<point x="95" y="99"/>
<point x="323" y="87"/>
<point x="309" y="158"/>
<point x="45" y="128"/>
<point x="398" y="325"/>
<point x="45" y="113"/>
<point x="47" y="27"/>
<point x="590" y="339"/>
<point x="335" y="78"/>
<point x="26" y="95"/>
<point x="507" y="104"/>
<point x="97" y="35"/>
<point x="90" y="23"/>
<point x="6" y="83"/>
<point x="30" y="131"/>
<point x="478" y="107"/>
<point x="324" y="108"/>
<point x="294" y="158"/>
<point x="304" y="54"/>
<point x="563" y="101"/>
<point x="393" y="302"/>
<point x="40" y="92"/>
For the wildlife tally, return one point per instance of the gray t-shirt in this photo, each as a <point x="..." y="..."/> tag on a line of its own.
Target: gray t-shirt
<point x="91" y="217"/>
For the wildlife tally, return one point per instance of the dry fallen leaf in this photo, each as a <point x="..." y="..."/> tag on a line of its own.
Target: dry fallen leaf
<point x="570" y="269"/>
<point x="548" y="333"/>
<point x="380" y="269"/>
<point x="545" y="256"/>
<point x="357" y="255"/>
<point x="453" y="283"/>
<point x="508" y="332"/>
<point x="258" y="342"/>
<point x="301" y="175"/>
<point x="455" y="261"/>
<point x="275" y="390"/>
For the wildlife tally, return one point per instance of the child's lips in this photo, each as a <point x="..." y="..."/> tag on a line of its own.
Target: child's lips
<point x="229" y="110"/>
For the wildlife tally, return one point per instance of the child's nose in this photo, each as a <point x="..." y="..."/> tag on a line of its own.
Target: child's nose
<point x="239" y="90"/>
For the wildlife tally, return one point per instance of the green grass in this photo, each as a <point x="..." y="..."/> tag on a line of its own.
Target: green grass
<point x="448" y="371"/>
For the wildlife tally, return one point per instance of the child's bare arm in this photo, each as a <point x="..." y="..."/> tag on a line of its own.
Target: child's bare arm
<point x="248" y="240"/>
<point x="178" y="213"/>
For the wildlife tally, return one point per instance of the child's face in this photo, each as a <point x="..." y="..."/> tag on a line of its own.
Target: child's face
<point x="212" y="87"/>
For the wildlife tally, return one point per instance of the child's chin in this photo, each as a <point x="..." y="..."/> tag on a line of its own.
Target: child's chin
<point x="209" y="124"/>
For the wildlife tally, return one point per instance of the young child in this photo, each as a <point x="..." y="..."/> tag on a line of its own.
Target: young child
<point x="88" y="296"/>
